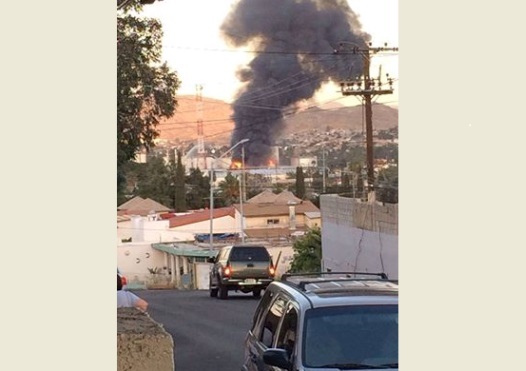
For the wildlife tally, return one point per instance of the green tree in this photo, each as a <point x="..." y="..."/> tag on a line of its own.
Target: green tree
<point x="346" y="182"/>
<point x="300" y="183"/>
<point x="145" y="87"/>
<point x="277" y="188"/>
<point x="317" y="181"/>
<point x="387" y="185"/>
<point x="154" y="181"/>
<point x="307" y="252"/>
<point x="229" y="189"/>
<point x="255" y="184"/>
<point x="199" y="189"/>
<point x="179" y="181"/>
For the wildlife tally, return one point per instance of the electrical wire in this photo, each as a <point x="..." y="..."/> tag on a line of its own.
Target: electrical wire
<point x="303" y="112"/>
<point x="331" y="53"/>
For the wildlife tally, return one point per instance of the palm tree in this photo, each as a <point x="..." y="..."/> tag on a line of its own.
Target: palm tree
<point x="229" y="189"/>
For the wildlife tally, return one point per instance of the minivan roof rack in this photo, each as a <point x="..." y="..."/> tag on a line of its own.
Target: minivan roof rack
<point x="303" y="279"/>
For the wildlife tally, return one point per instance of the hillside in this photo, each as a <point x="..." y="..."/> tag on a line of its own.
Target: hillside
<point x="384" y="117"/>
<point x="217" y="125"/>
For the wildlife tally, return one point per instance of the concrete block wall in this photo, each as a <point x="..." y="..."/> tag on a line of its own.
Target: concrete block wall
<point x="142" y="343"/>
<point x="349" y="212"/>
<point x="359" y="236"/>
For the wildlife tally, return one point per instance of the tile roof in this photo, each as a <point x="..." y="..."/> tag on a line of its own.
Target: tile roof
<point x="285" y="197"/>
<point x="267" y="197"/>
<point x="275" y="209"/>
<point x="131" y="203"/>
<point x="123" y="218"/>
<point x="139" y="206"/>
<point x="263" y="197"/>
<point x="200" y="216"/>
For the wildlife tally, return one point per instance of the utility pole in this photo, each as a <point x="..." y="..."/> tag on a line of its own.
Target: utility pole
<point x="366" y="88"/>
<point x="200" y="133"/>
<point x="323" y="161"/>
<point x="242" y="194"/>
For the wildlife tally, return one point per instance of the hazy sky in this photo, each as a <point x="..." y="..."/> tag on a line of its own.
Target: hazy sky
<point x="194" y="48"/>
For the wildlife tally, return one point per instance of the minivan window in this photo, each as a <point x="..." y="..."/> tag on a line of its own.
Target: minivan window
<point x="287" y="331"/>
<point x="351" y="335"/>
<point x="257" y="254"/>
<point x="271" y="321"/>
<point x="263" y="304"/>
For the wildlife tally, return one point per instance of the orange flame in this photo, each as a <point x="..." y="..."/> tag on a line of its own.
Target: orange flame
<point x="235" y="164"/>
<point x="271" y="163"/>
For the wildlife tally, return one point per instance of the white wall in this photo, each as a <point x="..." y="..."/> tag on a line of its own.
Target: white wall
<point x="304" y="162"/>
<point x="352" y="249"/>
<point x="202" y="275"/>
<point x="285" y="258"/>
<point x="134" y="259"/>
<point x="152" y="231"/>
<point x="225" y="224"/>
<point x="359" y="237"/>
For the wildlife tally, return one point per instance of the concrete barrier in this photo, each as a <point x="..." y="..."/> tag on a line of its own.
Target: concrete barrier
<point x="142" y="343"/>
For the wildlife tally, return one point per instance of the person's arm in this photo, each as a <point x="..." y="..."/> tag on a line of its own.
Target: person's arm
<point x="141" y="304"/>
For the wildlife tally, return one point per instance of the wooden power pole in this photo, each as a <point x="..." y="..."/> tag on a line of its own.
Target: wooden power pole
<point x="366" y="88"/>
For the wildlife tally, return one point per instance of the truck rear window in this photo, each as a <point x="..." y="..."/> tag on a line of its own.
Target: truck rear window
<point x="249" y="254"/>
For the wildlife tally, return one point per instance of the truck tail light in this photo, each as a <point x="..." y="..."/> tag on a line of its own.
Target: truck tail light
<point x="227" y="271"/>
<point x="271" y="271"/>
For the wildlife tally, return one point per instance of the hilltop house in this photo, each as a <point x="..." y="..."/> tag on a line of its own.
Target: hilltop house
<point x="277" y="216"/>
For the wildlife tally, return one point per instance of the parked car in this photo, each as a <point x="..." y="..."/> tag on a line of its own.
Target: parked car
<point x="242" y="268"/>
<point x="325" y="321"/>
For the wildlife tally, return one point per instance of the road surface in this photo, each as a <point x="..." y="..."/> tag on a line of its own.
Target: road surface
<point x="208" y="333"/>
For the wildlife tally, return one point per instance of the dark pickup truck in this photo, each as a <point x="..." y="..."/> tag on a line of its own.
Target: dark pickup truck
<point x="241" y="268"/>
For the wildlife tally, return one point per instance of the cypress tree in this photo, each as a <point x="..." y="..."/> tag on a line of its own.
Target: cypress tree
<point x="300" y="183"/>
<point x="180" y="194"/>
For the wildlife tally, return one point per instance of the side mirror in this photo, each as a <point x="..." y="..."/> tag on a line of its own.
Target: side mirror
<point x="277" y="357"/>
<point x="211" y="260"/>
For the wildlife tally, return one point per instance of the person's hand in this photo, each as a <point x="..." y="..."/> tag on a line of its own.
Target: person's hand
<point x="141" y="304"/>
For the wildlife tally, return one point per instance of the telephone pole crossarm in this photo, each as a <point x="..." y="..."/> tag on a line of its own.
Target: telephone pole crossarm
<point x="366" y="87"/>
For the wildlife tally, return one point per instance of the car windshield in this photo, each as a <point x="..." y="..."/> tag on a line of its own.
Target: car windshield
<point x="365" y="336"/>
<point x="249" y="254"/>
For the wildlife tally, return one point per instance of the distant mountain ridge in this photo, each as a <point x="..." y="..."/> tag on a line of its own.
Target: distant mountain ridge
<point x="218" y="125"/>
<point x="353" y="118"/>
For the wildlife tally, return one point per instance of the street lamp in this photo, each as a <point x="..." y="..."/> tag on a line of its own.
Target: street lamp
<point x="242" y="141"/>
<point x="242" y="194"/>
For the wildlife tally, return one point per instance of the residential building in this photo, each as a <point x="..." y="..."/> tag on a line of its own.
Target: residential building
<point x="277" y="216"/>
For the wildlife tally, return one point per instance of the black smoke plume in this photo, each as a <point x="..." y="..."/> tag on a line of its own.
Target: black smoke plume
<point x="295" y="41"/>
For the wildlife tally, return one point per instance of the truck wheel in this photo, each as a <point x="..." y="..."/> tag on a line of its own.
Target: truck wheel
<point x="256" y="293"/>
<point x="213" y="291"/>
<point x="223" y="292"/>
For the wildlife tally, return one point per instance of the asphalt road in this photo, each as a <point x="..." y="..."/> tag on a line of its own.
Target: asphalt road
<point x="208" y="333"/>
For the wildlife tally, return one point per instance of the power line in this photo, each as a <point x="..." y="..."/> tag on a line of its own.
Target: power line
<point x="371" y="88"/>
<point x="189" y="124"/>
<point x="218" y="50"/>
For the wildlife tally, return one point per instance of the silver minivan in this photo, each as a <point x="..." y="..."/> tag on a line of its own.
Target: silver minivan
<point x="325" y="321"/>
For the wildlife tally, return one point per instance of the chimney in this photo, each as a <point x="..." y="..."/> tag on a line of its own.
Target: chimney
<point x="137" y="228"/>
